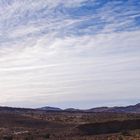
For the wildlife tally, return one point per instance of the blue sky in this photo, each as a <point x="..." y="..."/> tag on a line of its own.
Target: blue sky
<point x="74" y="53"/>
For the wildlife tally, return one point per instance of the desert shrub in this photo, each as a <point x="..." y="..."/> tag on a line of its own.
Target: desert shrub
<point x="120" y="138"/>
<point x="125" y="133"/>
<point x="29" y="137"/>
<point x="7" y="138"/>
<point x="47" y="136"/>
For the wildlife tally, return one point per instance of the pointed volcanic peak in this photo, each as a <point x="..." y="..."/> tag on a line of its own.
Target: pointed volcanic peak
<point x="48" y="108"/>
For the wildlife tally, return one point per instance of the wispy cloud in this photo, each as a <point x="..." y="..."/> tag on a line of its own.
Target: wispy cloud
<point x="78" y="50"/>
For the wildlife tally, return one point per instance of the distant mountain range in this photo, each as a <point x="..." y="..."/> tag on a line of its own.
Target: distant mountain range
<point x="116" y="109"/>
<point x="126" y="109"/>
<point x="48" y="108"/>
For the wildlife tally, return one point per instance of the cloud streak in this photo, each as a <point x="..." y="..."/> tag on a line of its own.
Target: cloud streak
<point x="77" y="50"/>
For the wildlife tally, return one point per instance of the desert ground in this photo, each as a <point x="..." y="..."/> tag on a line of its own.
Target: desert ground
<point x="28" y="124"/>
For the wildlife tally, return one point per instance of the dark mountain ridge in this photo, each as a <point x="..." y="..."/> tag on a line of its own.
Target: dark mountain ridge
<point x="116" y="109"/>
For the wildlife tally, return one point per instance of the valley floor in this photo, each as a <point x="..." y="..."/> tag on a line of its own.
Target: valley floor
<point x="36" y="125"/>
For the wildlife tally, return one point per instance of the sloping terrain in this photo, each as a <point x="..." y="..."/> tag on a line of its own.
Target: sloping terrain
<point x="71" y="124"/>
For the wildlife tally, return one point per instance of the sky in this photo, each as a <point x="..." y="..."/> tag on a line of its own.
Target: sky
<point x="72" y="53"/>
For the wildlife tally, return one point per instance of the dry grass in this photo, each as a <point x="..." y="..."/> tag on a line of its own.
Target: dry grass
<point x="66" y="126"/>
